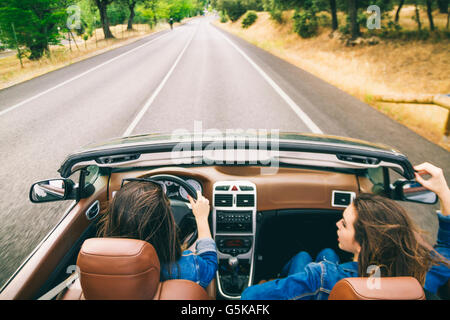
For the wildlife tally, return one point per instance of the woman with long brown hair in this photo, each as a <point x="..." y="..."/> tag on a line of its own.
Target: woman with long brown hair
<point x="141" y="210"/>
<point x="381" y="237"/>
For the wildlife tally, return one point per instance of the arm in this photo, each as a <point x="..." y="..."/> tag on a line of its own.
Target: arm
<point x="436" y="183"/>
<point x="205" y="247"/>
<point x="200" y="209"/>
<point x="207" y="260"/>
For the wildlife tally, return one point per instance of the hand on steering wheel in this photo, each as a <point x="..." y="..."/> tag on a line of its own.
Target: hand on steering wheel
<point x="200" y="209"/>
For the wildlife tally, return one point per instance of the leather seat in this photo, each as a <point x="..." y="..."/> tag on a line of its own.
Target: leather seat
<point x="126" y="269"/>
<point x="387" y="288"/>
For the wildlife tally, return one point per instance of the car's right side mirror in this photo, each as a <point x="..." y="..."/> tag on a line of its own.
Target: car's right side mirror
<point x="410" y="190"/>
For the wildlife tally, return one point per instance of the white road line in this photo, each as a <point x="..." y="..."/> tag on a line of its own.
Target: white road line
<point x="300" y="113"/>
<point x="152" y="98"/>
<point x="78" y="76"/>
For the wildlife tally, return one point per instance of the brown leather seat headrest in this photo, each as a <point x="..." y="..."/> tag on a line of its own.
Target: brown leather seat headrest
<point x="387" y="288"/>
<point x="113" y="268"/>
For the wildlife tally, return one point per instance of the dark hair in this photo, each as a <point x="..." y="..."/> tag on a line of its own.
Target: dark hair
<point x="141" y="210"/>
<point x="389" y="239"/>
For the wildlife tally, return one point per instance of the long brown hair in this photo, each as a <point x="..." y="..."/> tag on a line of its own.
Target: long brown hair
<point x="390" y="240"/>
<point x="141" y="210"/>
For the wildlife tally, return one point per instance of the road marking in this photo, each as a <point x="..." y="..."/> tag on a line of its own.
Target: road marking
<point x="78" y="76"/>
<point x="300" y="113"/>
<point x="152" y="98"/>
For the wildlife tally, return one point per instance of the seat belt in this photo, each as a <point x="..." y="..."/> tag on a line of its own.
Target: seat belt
<point x="60" y="287"/>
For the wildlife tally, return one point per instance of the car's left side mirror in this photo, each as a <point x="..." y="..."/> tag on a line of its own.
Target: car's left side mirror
<point x="51" y="190"/>
<point x="410" y="190"/>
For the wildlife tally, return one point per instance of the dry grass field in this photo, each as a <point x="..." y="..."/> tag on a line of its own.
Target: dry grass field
<point x="390" y="67"/>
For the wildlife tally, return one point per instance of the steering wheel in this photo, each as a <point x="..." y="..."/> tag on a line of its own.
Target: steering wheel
<point x="182" y="214"/>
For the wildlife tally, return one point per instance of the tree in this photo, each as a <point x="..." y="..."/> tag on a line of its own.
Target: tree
<point x="149" y="11"/>
<point x="131" y="5"/>
<point x="397" y="13"/>
<point x="89" y="15"/>
<point x="33" y="23"/>
<point x="417" y="16"/>
<point x="233" y="8"/>
<point x="353" y="14"/>
<point x="443" y="6"/>
<point x="429" y="13"/>
<point x="102" y="7"/>
<point x="334" y="20"/>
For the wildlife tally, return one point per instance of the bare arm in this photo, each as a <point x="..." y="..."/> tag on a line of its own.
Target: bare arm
<point x="200" y="209"/>
<point x="436" y="183"/>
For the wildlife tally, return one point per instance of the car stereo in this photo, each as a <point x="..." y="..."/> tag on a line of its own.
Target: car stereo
<point x="234" y="221"/>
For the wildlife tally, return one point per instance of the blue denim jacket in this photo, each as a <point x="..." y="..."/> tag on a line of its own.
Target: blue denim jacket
<point x="317" y="279"/>
<point x="199" y="267"/>
<point x="439" y="275"/>
<point x="315" y="283"/>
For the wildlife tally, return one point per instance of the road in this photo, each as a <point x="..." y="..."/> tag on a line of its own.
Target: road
<point x="162" y="83"/>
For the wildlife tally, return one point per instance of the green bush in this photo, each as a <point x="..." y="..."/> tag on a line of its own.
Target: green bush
<point x="234" y="9"/>
<point x="305" y="23"/>
<point x="277" y="15"/>
<point x="324" y="20"/>
<point x="249" y="19"/>
<point x="361" y="20"/>
<point x="223" y="17"/>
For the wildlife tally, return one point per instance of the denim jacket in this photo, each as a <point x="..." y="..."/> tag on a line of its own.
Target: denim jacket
<point x="199" y="267"/>
<point x="439" y="275"/>
<point x="316" y="282"/>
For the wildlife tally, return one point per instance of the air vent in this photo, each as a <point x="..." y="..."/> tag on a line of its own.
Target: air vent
<point x="342" y="198"/>
<point x="223" y="200"/>
<point x="117" y="158"/>
<point x="245" y="200"/>
<point x="358" y="159"/>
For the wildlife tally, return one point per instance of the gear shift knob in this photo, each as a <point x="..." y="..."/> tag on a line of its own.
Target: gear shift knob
<point x="233" y="262"/>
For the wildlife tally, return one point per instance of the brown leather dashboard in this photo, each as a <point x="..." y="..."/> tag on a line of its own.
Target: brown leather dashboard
<point x="288" y="188"/>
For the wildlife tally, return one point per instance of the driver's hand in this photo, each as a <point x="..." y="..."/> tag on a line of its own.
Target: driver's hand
<point x="200" y="207"/>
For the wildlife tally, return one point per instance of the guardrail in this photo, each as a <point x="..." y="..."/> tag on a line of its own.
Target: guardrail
<point x="441" y="100"/>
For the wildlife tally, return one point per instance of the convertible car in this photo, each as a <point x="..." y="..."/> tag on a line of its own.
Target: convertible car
<point x="271" y="196"/>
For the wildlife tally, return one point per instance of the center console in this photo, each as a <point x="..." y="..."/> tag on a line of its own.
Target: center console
<point x="234" y="228"/>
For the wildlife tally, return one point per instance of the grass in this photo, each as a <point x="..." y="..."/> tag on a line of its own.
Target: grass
<point x="12" y="73"/>
<point x="390" y="67"/>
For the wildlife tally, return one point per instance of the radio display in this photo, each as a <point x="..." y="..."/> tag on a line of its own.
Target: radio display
<point x="234" y="243"/>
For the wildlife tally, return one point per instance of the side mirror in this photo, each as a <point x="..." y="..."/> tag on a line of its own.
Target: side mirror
<point x="414" y="192"/>
<point x="51" y="190"/>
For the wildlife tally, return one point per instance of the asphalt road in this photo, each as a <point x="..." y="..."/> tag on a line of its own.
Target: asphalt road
<point x="162" y="83"/>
